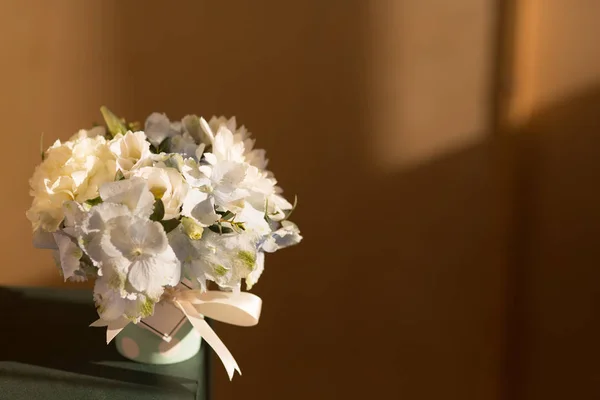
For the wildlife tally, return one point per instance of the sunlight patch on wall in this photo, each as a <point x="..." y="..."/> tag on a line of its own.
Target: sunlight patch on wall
<point x="428" y="78"/>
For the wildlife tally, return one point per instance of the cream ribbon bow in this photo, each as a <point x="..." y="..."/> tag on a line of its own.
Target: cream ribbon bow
<point x="241" y="309"/>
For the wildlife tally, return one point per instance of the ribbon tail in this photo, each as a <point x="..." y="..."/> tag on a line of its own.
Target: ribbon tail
<point x="207" y="333"/>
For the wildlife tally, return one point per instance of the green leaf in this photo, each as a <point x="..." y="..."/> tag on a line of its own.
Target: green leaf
<point x="170" y="224"/>
<point x="238" y="226"/>
<point x="159" y="211"/>
<point x="227" y="215"/>
<point x="119" y="176"/>
<point x="115" y="124"/>
<point x="217" y="228"/>
<point x="164" y="146"/>
<point x="267" y="211"/>
<point x="94" y="201"/>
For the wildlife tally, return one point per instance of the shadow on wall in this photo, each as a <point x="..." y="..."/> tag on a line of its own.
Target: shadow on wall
<point x="556" y="275"/>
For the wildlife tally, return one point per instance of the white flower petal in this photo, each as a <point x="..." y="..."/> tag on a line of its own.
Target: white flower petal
<point x="257" y="272"/>
<point x="210" y="158"/>
<point x="74" y="213"/>
<point x="133" y="193"/>
<point x="287" y="235"/>
<point x="44" y="240"/>
<point x="210" y="137"/>
<point x="157" y="128"/>
<point x="199" y="206"/>
<point x="144" y="276"/>
<point x="254" y="220"/>
<point x="132" y="151"/>
<point x="70" y="254"/>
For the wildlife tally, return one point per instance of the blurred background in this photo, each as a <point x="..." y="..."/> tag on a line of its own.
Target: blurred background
<point x="446" y="157"/>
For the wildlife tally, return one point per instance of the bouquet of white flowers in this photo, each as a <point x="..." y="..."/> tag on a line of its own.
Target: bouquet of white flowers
<point x="140" y="211"/>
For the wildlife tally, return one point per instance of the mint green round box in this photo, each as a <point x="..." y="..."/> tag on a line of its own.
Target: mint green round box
<point x="141" y="345"/>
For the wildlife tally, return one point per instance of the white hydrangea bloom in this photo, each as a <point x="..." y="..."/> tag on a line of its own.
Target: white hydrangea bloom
<point x="131" y="252"/>
<point x="90" y="233"/>
<point x="138" y="248"/>
<point x="73" y="170"/>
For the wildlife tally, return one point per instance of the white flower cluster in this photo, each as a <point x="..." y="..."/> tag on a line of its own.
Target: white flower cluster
<point x="141" y="210"/>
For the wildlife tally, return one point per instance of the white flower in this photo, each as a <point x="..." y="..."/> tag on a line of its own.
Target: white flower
<point x="226" y="183"/>
<point x="74" y="213"/>
<point x="70" y="171"/>
<point x="132" y="151"/>
<point x="225" y="148"/>
<point x="184" y="144"/>
<point x="122" y="198"/>
<point x="133" y="193"/>
<point x="111" y="305"/>
<point x="90" y="133"/>
<point x="194" y="127"/>
<point x="166" y="184"/>
<point x="196" y="175"/>
<point x="287" y="235"/>
<point x="134" y="260"/>
<point x="224" y="259"/>
<point x="253" y="220"/>
<point x="199" y="206"/>
<point x="254" y="157"/>
<point x="222" y="181"/>
<point x="277" y="205"/>
<point x="139" y="250"/>
<point x="158" y="128"/>
<point x="260" y="187"/>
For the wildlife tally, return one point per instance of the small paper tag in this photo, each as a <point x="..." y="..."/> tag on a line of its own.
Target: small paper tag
<point x="165" y="322"/>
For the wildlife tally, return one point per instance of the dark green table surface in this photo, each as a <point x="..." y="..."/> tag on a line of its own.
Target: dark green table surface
<point x="47" y="351"/>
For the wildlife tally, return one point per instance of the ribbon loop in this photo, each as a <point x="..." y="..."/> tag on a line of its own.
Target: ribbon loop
<point x="241" y="309"/>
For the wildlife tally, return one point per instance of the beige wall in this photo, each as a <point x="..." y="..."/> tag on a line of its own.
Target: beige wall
<point x="57" y="66"/>
<point x="375" y="114"/>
